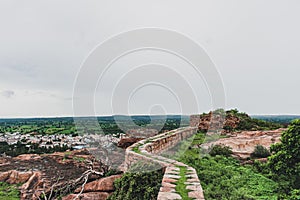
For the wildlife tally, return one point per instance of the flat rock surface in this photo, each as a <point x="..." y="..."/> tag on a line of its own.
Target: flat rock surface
<point x="244" y="142"/>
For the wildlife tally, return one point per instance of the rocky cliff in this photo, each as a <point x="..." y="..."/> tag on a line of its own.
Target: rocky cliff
<point x="214" y="121"/>
<point x="230" y="121"/>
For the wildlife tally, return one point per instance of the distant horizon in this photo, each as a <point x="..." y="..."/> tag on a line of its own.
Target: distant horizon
<point x="134" y="115"/>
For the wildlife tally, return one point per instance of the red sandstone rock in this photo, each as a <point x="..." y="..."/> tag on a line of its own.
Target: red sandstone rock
<point x="126" y="142"/>
<point x="244" y="142"/>
<point x="4" y="176"/>
<point x="30" y="189"/>
<point x="104" y="184"/>
<point x="32" y="182"/>
<point x="88" y="196"/>
<point x="213" y="121"/>
<point x="15" y="177"/>
<point x="28" y="157"/>
<point x="19" y="177"/>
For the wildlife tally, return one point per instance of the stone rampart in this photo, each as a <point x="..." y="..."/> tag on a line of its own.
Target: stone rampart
<point x="147" y="150"/>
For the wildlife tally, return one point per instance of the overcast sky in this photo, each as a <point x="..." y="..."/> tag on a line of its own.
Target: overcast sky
<point x="254" y="44"/>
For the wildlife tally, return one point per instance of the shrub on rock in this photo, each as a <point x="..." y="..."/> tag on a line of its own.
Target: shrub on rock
<point x="220" y="150"/>
<point x="260" y="152"/>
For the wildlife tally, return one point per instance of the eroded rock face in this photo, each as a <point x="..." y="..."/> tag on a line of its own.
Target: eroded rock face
<point x="244" y="142"/>
<point x="214" y="122"/>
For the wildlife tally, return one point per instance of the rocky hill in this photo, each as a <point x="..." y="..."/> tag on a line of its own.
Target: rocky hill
<point x="229" y="121"/>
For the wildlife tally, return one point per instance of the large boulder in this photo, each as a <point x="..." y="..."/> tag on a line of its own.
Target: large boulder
<point x="104" y="185"/>
<point x="15" y="177"/>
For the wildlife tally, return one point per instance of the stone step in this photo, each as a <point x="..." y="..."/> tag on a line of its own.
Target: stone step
<point x="168" y="196"/>
<point x="172" y="176"/>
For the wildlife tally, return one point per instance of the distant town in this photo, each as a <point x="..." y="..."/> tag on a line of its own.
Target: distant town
<point x="50" y="141"/>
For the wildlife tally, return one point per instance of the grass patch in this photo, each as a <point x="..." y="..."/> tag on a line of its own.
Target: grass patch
<point x="9" y="192"/>
<point x="68" y="153"/>
<point x="224" y="178"/>
<point x="148" y="141"/>
<point x="79" y="159"/>
<point x="180" y="186"/>
<point x="136" y="149"/>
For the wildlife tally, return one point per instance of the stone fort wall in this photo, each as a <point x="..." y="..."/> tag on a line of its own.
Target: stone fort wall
<point x="148" y="150"/>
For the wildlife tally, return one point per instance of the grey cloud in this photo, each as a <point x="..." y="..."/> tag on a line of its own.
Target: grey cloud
<point x="254" y="44"/>
<point x="7" y="93"/>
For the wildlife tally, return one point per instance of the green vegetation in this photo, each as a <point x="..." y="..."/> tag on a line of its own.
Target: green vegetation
<point x="87" y="125"/>
<point x="260" y="152"/>
<point x="142" y="181"/>
<point x="24" y="148"/>
<point x="285" y="161"/>
<point x="136" y="149"/>
<point x="180" y="186"/>
<point x="240" y="121"/>
<point x="38" y="125"/>
<point x="223" y="177"/>
<point x="79" y="159"/>
<point x="9" y="192"/>
<point x="220" y="150"/>
<point x="251" y="124"/>
<point x="285" y="120"/>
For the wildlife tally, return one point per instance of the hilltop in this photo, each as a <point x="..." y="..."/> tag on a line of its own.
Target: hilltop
<point x="230" y="121"/>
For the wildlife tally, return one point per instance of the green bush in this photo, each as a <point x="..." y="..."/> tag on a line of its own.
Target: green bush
<point x="220" y="150"/>
<point x="285" y="161"/>
<point x="260" y="152"/>
<point x="142" y="181"/>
